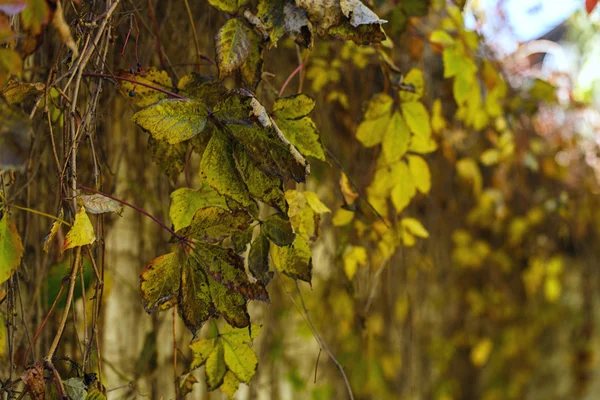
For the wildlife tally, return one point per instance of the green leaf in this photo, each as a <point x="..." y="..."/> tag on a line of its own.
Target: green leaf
<point x="295" y="261"/>
<point x="173" y="120"/>
<point x="377" y="117"/>
<point x="218" y="169"/>
<point x="420" y="173"/>
<point x="233" y="46"/>
<point x="240" y="240"/>
<point x="363" y="34"/>
<point x="272" y="18"/>
<point x="81" y="233"/>
<point x="396" y="139"/>
<point x="230" y="384"/>
<point x="213" y="224"/>
<point x="159" y="283"/>
<point x="144" y="95"/>
<point x="215" y="367"/>
<point x="170" y="158"/>
<point x="11" y="248"/>
<point x="252" y="68"/>
<point x="35" y="15"/>
<point x="75" y="388"/>
<point x="279" y="230"/>
<point x="239" y="356"/>
<point x="258" y="259"/>
<point x="293" y="107"/>
<point x="268" y="189"/>
<point x="195" y="304"/>
<point x="415" y="78"/>
<point x="202" y="87"/>
<point x="185" y="202"/>
<point x="15" y="134"/>
<point x="417" y="118"/>
<point x="229" y="6"/>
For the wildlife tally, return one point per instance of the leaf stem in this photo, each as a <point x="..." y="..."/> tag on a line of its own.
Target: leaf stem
<point x="122" y="78"/>
<point x="289" y="78"/>
<point x="136" y="208"/>
<point x="40" y="213"/>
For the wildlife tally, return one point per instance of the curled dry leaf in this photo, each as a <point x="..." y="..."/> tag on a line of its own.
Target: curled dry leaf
<point x="33" y="377"/>
<point x="98" y="204"/>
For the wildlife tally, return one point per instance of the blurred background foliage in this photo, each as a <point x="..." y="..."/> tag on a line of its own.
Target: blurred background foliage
<point x="459" y="260"/>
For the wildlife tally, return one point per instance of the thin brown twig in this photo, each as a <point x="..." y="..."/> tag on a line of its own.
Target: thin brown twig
<point x="196" y="43"/>
<point x="158" y="43"/>
<point x="122" y="78"/>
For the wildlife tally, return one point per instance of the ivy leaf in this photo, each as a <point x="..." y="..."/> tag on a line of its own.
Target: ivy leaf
<point x="377" y="117"/>
<point x="218" y="169"/>
<point x="98" y="204"/>
<point x="290" y="115"/>
<point x="396" y="139"/>
<point x="420" y="173"/>
<point x="185" y="202"/>
<point x="11" y="248"/>
<point x="258" y="259"/>
<point x="213" y="224"/>
<point x="170" y="158"/>
<point x="75" y="388"/>
<point x="229" y="6"/>
<point x="173" y="120"/>
<point x="417" y="118"/>
<point x="15" y="134"/>
<point x="268" y="189"/>
<point x="233" y="46"/>
<point x="295" y="261"/>
<point x="159" y="283"/>
<point x="142" y="95"/>
<point x="415" y="78"/>
<point x="252" y="68"/>
<point x="81" y="233"/>
<point x="404" y="190"/>
<point x="278" y="230"/>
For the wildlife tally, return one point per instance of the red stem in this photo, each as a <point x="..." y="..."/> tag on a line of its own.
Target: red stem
<point x="289" y="78"/>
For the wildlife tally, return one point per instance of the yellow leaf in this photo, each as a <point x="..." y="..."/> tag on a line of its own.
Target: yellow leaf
<point x="481" y="352"/>
<point x="415" y="227"/>
<point x="370" y="132"/>
<point x="353" y="257"/>
<point x="408" y="239"/>
<point x="315" y="203"/>
<point x="82" y="233"/>
<point x="417" y="118"/>
<point x="342" y="217"/>
<point x="420" y="173"/>
<point x="438" y="123"/>
<point x="552" y="289"/>
<point x="415" y="78"/>
<point x="422" y="145"/>
<point x="441" y="37"/>
<point x="404" y="190"/>
<point x="469" y="171"/>
<point x="490" y="157"/>
<point x="395" y="139"/>
<point x="349" y="194"/>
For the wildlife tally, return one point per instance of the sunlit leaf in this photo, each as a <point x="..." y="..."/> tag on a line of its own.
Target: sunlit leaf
<point x="342" y="217"/>
<point x="233" y="46"/>
<point x="377" y="117"/>
<point x="230" y="384"/>
<point x="11" y="248"/>
<point x="415" y="227"/>
<point x="441" y="37"/>
<point x="315" y="203"/>
<point x="81" y="233"/>
<point x="396" y="139"/>
<point x="295" y="261"/>
<point x="353" y="257"/>
<point x="404" y="190"/>
<point x="413" y="78"/>
<point x="160" y="280"/>
<point x="142" y="95"/>
<point x="229" y="6"/>
<point x="481" y="352"/>
<point x="359" y="14"/>
<point x="417" y="117"/>
<point x="419" y="170"/>
<point x="251" y="70"/>
<point x="173" y="120"/>
<point x="185" y="202"/>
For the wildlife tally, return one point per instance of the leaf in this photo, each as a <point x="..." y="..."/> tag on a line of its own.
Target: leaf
<point x="251" y="69"/>
<point x="377" y="117"/>
<point x="295" y="261"/>
<point x="258" y="259"/>
<point x="278" y="230"/>
<point x="11" y="248"/>
<point x="323" y="14"/>
<point x="213" y="224"/>
<point x="353" y="257"/>
<point x="215" y="367"/>
<point x="95" y="394"/>
<point x="303" y="218"/>
<point x="468" y="170"/>
<point x="240" y="359"/>
<point x="270" y="15"/>
<point x="98" y="204"/>
<point x="240" y="240"/>
<point x="195" y="303"/>
<point x="15" y="133"/>
<point x="441" y="37"/>
<point x="81" y="233"/>
<point x="233" y="46"/>
<point x="414" y="78"/>
<point x="54" y="280"/>
<point x="230" y="384"/>
<point x="315" y="203"/>
<point x="173" y="120"/>
<point x="170" y="158"/>
<point x="229" y="6"/>
<point x="404" y="190"/>
<point x="218" y="169"/>
<point x="297" y="25"/>
<point x="33" y="377"/>
<point x="359" y="14"/>
<point x="342" y="217"/>
<point x="159" y="283"/>
<point x="35" y="15"/>
<point x="420" y="173"/>
<point x="75" y="388"/>
<point x="185" y="202"/>
<point x="396" y="139"/>
<point x="362" y="35"/>
<point x="268" y="189"/>
<point x="10" y="63"/>
<point x="16" y="92"/>
<point x="293" y="107"/>
<point x="481" y="352"/>
<point x="349" y="194"/>
<point x="415" y="227"/>
<point x="186" y="384"/>
<point x="143" y="95"/>
<point x="417" y="118"/>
